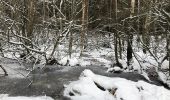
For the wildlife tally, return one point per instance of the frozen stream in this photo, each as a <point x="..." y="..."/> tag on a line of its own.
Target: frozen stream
<point x="49" y="82"/>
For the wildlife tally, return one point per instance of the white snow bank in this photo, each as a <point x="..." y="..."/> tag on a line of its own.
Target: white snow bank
<point x="74" y="61"/>
<point x="86" y="89"/>
<point x="6" y="97"/>
<point x="115" y="69"/>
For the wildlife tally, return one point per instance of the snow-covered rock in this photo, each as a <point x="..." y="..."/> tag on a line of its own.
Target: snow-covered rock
<point x="86" y="89"/>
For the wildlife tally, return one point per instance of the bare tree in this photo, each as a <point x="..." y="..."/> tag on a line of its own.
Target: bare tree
<point x="85" y="4"/>
<point x="130" y="36"/>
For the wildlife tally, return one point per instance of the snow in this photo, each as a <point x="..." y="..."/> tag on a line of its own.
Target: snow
<point x="86" y="89"/>
<point x="164" y="78"/>
<point x="144" y="74"/>
<point x="92" y="57"/>
<point x="152" y="92"/>
<point x="73" y="61"/>
<point x="165" y="64"/>
<point x="84" y="63"/>
<point x="115" y="69"/>
<point x="6" y="97"/>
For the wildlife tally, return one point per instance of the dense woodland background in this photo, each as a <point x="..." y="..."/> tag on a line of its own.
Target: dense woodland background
<point x="33" y="29"/>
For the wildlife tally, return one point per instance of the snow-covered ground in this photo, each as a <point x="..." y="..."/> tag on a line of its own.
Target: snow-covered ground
<point x="6" y="97"/>
<point x="113" y="89"/>
<point x="90" y="57"/>
<point x="85" y="88"/>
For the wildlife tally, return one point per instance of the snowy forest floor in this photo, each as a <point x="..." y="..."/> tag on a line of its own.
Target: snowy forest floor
<point x="50" y="81"/>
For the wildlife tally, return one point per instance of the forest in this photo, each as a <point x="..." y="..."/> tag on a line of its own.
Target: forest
<point x="84" y="49"/>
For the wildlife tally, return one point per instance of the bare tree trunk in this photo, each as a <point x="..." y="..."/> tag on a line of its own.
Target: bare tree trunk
<point x="1" y="51"/>
<point x="44" y="12"/>
<point x="85" y="4"/>
<point x="116" y="37"/>
<point x="145" y="36"/>
<point x="132" y="8"/>
<point x="70" y="43"/>
<point x="115" y="46"/>
<point x="129" y="49"/>
<point x="120" y="48"/>
<point x="61" y="22"/>
<point x="31" y="19"/>
<point x="71" y="31"/>
<point x="23" y="16"/>
<point x="130" y="37"/>
<point x="138" y="29"/>
<point x="28" y="14"/>
<point x="168" y="50"/>
<point x="5" y="72"/>
<point x="55" y="46"/>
